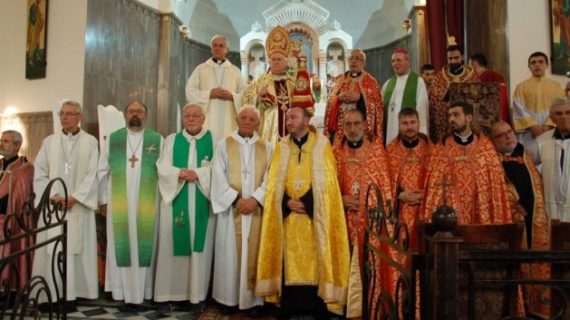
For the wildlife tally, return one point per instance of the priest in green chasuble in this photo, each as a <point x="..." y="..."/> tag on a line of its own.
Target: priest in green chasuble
<point x="303" y="261"/>
<point x="128" y="195"/>
<point x="186" y="227"/>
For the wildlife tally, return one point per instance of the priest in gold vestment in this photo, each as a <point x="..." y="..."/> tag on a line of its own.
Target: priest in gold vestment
<point x="281" y="88"/>
<point x="455" y="71"/>
<point x="465" y="171"/>
<point x="303" y="261"/>
<point x="532" y="100"/>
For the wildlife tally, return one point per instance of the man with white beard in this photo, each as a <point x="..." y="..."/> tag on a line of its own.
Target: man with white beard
<point x="238" y="192"/>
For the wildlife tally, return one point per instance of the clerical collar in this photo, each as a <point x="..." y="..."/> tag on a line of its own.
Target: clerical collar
<point x="403" y="75"/>
<point x="218" y="61"/>
<point x="463" y="140"/>
<point x="7" y="162"/>
<point x="249" y="137"/>
<point x="73" y="133"/>
<point x="411" y="143"/>
<point x="197" y="136"/>
<point x="356" y="144"/>
<point x="301" y="141"/>
<point x="457" y="71"/>
<point x="518" y="151"/>
<point x="354" y="74"/>
<point x="558" y="136"/>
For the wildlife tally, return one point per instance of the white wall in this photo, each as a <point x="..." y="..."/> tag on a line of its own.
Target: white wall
<point x="528" y="31"/>
<point x="65" y="56"/>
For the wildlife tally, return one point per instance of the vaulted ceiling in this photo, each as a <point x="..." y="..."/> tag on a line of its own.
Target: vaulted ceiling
<point x="371" y="23"/>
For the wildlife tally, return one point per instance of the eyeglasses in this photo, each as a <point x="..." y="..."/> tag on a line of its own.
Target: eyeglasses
<point x="136" y="111"/>
<point x="502" y="134"/>
<point x="68" y="114"/>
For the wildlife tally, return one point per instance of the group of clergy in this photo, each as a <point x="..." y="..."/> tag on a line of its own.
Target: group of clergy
<point x="249" y="190"/>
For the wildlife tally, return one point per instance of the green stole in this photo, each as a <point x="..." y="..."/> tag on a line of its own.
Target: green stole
<point x="408" y="99"/>
<point x="180" y="213"/>
<point x="147" y="196"/>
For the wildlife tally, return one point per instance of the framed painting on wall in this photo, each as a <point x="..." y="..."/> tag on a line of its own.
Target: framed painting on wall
<point x="36" y="39"/>
<point x="560" y="31"/>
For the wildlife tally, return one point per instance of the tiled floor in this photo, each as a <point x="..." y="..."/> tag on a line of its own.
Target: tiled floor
<point x="94" y="312"/>
<point x="106" y="309"/>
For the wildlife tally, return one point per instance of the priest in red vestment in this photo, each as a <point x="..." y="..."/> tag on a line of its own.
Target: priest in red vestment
<point x="527" y="201"/>
<point x="408" y="155"/>
<point x="464" y="170"/>
<point x="361" y="160"/>
<point x="16" y="180"/>
<point x="454" y="71"/>
<point x="355" y="89"/>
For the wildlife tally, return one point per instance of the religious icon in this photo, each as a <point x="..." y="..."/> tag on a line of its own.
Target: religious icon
<point x="36" y="39"/>
<point x="560" y="32"/>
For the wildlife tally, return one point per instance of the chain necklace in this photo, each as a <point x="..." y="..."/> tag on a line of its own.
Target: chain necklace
<point x="67" y="167"/>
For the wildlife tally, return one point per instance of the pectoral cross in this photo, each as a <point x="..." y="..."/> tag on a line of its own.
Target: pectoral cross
<point x="245" y="172"/>
<point x="132" y="160"/>
<point x="66" y="168"/>
<point x="298" y="183"/>
<point x="444" y="184"/>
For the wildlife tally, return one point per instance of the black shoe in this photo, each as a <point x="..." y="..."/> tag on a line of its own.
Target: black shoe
<point x="164" y="307"/>
<point x="70" y="307"/>
<point x="184" y="306"/>
<point x="129" y="307"/>
<point x="255" y="312"/>
<point x="199" y="307"/>
<point x="227" y="310"/>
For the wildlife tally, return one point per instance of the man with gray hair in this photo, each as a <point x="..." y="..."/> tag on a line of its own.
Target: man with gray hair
<point x="238" y="192"/>
<point x="355" y="89"/>
<point x="16" y="178"/>
<point x="554" y="153"/>
<point x="186" y="226"/>
<point x="215" y="85"/>
<point x="71" y="155"/>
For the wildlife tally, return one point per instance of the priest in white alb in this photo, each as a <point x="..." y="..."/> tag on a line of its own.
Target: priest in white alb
<point x="72" y="156"/>
<point x="238" y="192"/>
<point x="186" y="227"/>
<point x="215" y="85"/>
<point x="128" y="195"/>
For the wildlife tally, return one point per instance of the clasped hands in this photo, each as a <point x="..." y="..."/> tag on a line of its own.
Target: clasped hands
<point x="222" y="94"/>
<point x="349" y="97"/>
<point x="411" y="197"/>
<point x="188" y="175"/>
<point x="245" y="206"/>
<point x="296" y="205"/>
<point x="57" y="199"/>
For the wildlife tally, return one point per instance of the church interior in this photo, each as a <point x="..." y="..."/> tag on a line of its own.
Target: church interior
<point x="111" y="52"/>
